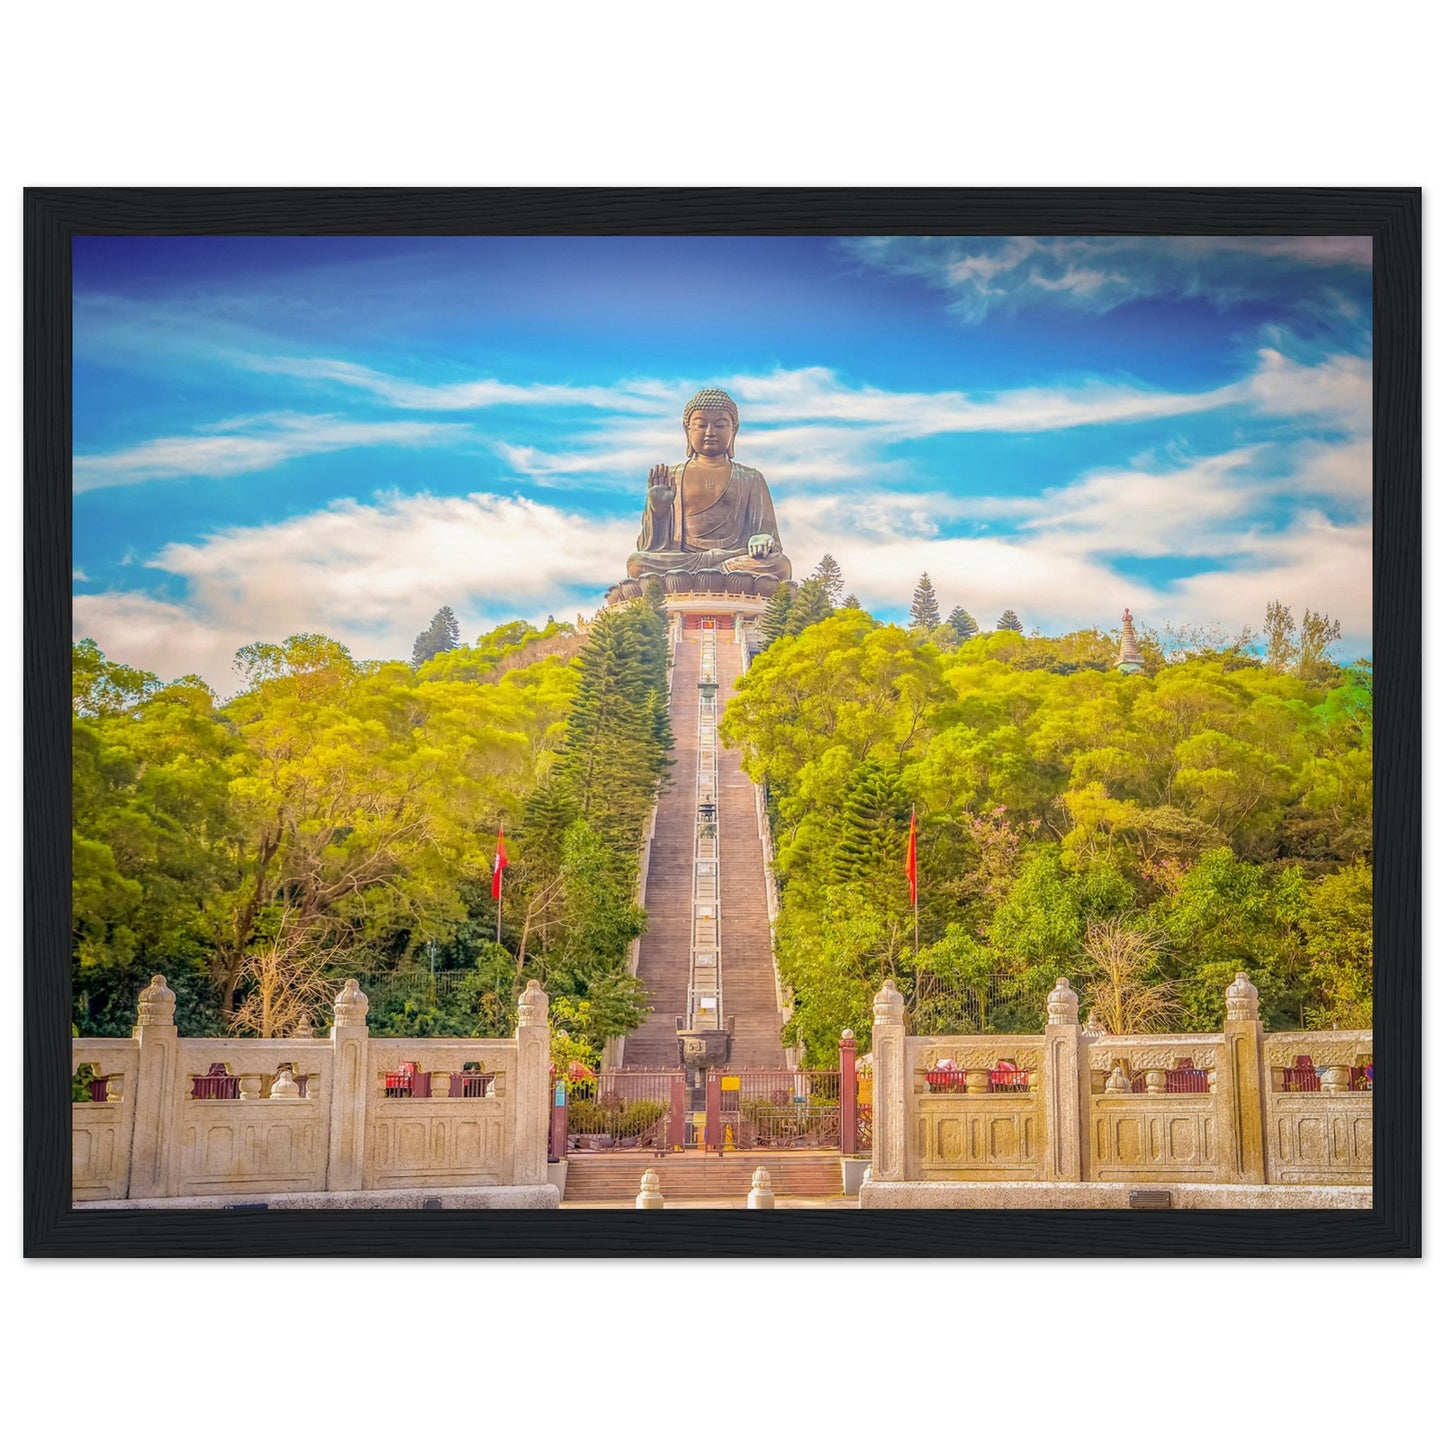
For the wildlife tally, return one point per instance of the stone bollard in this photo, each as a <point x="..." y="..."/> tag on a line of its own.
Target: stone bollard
<point x="651" y="1196"/>
<point x="761" y="1194"/>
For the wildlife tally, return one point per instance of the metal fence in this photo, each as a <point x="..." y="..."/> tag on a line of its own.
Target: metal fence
<point x="781" y="1109"/>
<point x="740" y="1109"/>
<point x="936" y="1006"/>
<point x="622" y="1109"/>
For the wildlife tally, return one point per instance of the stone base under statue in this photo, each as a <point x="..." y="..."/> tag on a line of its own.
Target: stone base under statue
<point x="729" y="585"/>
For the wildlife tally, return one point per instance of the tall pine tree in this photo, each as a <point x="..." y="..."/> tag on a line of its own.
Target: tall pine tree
<point x="442" y="634"/>
<point x="1009" y="622"/>
<point x="618" y="735"/>
<point x="873" y="827"/>
<point x="775" y="615"/>
<point x="924" y="612"/>
<point x="809" y="606"/>
<point x="830" y="574"/>
<point x="963" y="624"/>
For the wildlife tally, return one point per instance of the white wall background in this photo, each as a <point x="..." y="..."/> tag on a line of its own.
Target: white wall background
<point x="436" y="93"/>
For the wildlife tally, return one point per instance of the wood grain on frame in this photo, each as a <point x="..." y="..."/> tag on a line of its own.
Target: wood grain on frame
<point x="1392" y="217"/>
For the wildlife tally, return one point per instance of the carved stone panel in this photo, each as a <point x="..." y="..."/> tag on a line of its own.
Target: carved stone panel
<point x="1155" y="1138"/>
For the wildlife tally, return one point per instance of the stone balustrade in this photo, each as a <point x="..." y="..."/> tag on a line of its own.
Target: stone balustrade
<point x="1079" y="1106"/>
<point x="199" y="1118"/>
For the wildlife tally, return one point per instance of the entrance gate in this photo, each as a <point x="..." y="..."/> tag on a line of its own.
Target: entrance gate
<point x="657" y="1110"/>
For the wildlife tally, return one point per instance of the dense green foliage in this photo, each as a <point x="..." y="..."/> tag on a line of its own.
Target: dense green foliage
<point x="339" y="817"/>
<point x="1145" y="835"/>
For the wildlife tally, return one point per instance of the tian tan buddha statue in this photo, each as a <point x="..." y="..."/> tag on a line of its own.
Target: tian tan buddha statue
<point x="709" y="524"/>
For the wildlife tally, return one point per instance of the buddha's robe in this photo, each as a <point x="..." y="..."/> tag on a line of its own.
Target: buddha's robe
<point x="712" y="538"/>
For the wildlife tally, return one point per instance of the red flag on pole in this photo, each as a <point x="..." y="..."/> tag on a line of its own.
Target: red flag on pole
<point x="498" y="863"/>
<point x="911" y="867"/>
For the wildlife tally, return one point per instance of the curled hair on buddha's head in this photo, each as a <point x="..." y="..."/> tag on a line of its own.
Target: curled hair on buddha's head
<point x="709" y="396"/>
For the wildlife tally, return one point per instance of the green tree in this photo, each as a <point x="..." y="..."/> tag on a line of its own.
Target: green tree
<point x="957" y="979"/>
<point x="619" y="738"/>
<point x="155" y="841"/>
<point x="365" y="799"/>
<point x="1317" y="632"/>
<point x="924" y="611"/>
<point x="830" y="574"/>
<point x="775" y="615"/>
<point x="809" y="606"/>
<point x="872" y="828"/>
<point x="441" y="634"/>
<point x="963" y="624"/>
<point x="835" y="957"/>
<point x="1123" y="986"/>
<point x="1337" y="921"/>
<point x="586" y="963"/>
<point x="1281" y="651"/>
<point x="1009" y="622"/>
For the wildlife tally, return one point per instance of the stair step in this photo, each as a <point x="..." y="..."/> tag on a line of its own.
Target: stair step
<point x="806" y="1175"/>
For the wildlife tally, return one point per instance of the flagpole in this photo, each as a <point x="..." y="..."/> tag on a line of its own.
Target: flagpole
<point x="912" y="870"/>
<point x="499" y="867"/>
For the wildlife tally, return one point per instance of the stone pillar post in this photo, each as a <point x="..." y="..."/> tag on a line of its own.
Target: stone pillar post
<point x="350" y="1089"/>
<point x="1240" y="1082"/>
<point x="157" y="1092"/>
<point x="761" y="1196"/>
<point x="651" y="1195"/>
<point x="848" y="1094"/>
<point x="530" y="1089"/>
<point x="712" y="1134"/>
<point x="677" y="1113"/>
<point x="557" y="1148"/>
<point x="890" y="1086"/>
<point x="1063" y="1083"/>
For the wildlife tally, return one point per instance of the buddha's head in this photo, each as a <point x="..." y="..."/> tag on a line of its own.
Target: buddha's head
<point x="710" y="423"/>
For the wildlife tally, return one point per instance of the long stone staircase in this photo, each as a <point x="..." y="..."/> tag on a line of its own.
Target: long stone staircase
<point x="748" y="991"/>
<point x="662" y="962"/>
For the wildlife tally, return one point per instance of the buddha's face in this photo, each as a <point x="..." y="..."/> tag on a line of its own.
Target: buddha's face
<point x="710" y="431"/>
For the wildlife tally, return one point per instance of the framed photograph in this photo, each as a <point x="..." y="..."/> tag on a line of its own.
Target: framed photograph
<point x="700" y="722"/>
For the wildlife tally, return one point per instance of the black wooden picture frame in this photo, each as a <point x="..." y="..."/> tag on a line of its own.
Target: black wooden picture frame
<point x="1391" y="217"/>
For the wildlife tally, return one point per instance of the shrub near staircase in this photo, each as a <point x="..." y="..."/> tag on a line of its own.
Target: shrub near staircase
<point x="614" y="1121"/>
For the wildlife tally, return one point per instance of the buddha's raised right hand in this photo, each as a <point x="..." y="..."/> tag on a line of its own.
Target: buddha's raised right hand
<point x="661" y="488"/>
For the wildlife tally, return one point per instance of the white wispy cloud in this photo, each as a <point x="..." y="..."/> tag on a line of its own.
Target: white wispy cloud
<point x="251" y="444"/>
<point x="1338" y="390"/>
<point x="1067" y="557"/>
<point x="1313" y="562"/>
<point x="368" y="574"/>
<point x="1098" y="273"/>
<point x="807" y="426"/>
<point x="167" y="638"/>
<point x="473" y="395"/>
<point x="371" y="573"/>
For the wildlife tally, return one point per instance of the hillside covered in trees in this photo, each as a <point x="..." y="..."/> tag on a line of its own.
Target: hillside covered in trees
<point x="341" y="817"/>
<point x="1146" y="835"/>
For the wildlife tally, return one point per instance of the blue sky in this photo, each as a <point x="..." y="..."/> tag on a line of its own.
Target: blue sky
<point x="339" y="435"/>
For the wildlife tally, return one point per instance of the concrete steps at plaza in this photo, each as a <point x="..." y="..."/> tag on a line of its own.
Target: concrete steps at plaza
<point x="800" y="1174"/>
